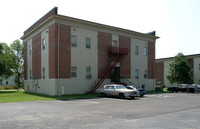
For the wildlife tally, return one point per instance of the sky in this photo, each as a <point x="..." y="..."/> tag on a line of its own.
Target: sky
<point x="176" y="22"/>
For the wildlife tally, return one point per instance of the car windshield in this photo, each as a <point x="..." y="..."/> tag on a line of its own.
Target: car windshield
<point x="133" y="86"/>
<point x="120" y="87"/>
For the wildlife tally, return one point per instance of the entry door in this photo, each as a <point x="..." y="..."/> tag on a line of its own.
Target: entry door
<point x="115" y="75"/>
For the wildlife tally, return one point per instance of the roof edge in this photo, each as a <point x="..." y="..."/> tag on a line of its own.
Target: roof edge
<point x="53" y="11"/>
<point x="107" y="26"/>
<point x="187" y="56"/>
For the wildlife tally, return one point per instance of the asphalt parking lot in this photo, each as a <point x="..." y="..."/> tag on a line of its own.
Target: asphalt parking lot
<point x="157" y="111"/>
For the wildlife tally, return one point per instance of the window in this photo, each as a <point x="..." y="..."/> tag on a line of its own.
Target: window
<point x="114" y="43"/>
<point x="112" y="87"/>
<point x="88" y="42"/>
<point x="136" y="73"/>
<point x="30" y="74"/>
<point x="30" y="50"/>
<point x="145" y="73"/>
<point x="6" y="82"/>
<point x="74" y="71"/>
<point x="74" y="40"/>
<point x="107" y="87"/>
<point x="145" y="51"/>
<point x="43" y="43"/>
<point x="136" y="50"/>
<point x="199" y="66"/>
<point x="88" y="72"/>
<point x="43" y="73"/>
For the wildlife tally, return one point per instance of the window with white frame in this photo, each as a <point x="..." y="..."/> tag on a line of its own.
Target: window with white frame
<point x="73" y="40"/>
<point x="114" y="43"/>
<point x="145" y="51"/>
<point x="43" y="43"/>
<point x="43" y="73"/>
<point x="73" y="71"/>
<point x="136" y="73"/>
<point x="30" y="50"/>
<point x="88" y="42"/>
<point x="136" y="50"/>
<point x="88" y="72"/>
<point x="145" y="73"/>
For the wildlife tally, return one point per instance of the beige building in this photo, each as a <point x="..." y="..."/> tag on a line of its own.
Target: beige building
<point x="162" y="69"/>
<point x="65" y="55"/>
<point x="8" y="82"/>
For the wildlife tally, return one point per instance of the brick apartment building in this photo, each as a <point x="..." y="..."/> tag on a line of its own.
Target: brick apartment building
<point x="65" y="55"/>
<point x="162" y="69"/>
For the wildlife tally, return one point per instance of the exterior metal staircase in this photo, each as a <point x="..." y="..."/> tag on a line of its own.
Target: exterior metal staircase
<point x="119" y="53"/>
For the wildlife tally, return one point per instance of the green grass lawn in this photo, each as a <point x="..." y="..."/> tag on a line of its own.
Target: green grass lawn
<point x="7" y="96"/>
<point x="21" y="96"/>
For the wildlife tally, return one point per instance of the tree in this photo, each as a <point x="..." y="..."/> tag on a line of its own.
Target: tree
<point x="179" y="71"/>
<point x="7" y="61"/>
<point x="18" y="49"/>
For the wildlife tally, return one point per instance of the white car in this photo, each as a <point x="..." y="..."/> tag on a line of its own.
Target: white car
<point x="117" y="90"/>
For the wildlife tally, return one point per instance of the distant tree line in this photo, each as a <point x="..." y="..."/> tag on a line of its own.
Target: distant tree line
<point x="11" y="60"/>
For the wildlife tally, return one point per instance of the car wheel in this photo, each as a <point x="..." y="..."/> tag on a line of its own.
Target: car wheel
<point x="132" y="97"/>
<point x="103" y="94"/>
<point x="121" y="95"/>
<point x="188" y="91"/>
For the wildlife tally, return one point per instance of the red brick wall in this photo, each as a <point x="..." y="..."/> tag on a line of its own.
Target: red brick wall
<point x="36" y="56"/>
<point x="25" y="61"/>
<point x="159" y="73"/>
<point x="191" y="63"/>
<point x="53" y="51"/>
<point x="51" y="12"/>
<point x="125" y="64"/>
<point x="104" y="40"/>
<point x="65" y="52"/>
<point x="151" y="60"/>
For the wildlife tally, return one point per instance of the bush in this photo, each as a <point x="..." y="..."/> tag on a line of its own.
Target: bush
<point x="20" y="86"/>
<point x="10" y="87"/>
<point x="6" y="87"/>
